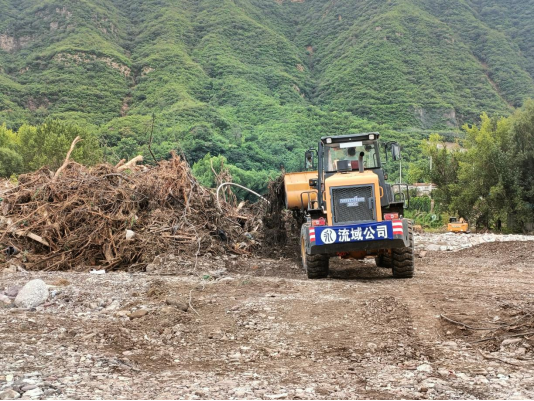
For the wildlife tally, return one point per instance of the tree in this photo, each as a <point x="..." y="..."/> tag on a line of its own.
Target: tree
<point x="522" y="139"/>
<point x="47" y="145"/>
<point x="444" y="171"/>
<point x="10" y="162"/>
<point x="8" y="138"/>
<point x="255" y="180"/>
<point x="488" y="174"/>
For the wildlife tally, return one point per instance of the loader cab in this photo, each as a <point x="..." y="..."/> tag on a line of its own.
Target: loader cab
<point x="350" y="167"/>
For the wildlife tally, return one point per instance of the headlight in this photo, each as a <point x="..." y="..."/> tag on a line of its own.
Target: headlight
<point x="329" y="140"/>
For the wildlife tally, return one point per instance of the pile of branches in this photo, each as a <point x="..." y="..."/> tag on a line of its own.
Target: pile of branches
<point x="5" y="185"/>
<point x="114" y="217"/>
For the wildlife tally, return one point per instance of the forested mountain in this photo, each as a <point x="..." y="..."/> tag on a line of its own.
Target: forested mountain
<point x="259" y="80"/>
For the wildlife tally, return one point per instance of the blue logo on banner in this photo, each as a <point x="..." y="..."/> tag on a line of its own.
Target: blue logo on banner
<point x="355" y="233"/>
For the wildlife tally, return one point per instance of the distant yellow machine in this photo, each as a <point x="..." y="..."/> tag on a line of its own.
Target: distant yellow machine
<point x="456" y="226"/>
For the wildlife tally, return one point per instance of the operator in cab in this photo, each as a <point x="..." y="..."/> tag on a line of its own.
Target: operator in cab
<point x="336" y="153"/>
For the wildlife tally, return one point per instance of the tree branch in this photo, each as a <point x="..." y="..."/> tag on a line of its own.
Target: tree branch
<point x="66" y="162"/>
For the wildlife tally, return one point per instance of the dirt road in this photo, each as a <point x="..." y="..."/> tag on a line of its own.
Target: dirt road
<point x="259" y="329"/>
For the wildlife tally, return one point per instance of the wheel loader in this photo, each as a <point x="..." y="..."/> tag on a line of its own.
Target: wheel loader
<point x="349" y="209"/>
<point x="458" y="226"/>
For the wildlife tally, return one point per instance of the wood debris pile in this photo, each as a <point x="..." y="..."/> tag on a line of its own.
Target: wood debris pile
<point x="118" y="216"/>
<point x="5" y="185"/>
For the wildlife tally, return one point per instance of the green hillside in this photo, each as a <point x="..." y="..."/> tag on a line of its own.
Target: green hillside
<point x="259" y="80"/>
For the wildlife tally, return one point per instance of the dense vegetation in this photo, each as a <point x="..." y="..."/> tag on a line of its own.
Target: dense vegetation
<point x="258" y="81"/>
<point x="252" y="83"/>
<point x="489" y="179"/>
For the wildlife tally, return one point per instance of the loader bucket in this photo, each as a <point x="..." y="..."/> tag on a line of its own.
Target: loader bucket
<point x="298" y="190"/>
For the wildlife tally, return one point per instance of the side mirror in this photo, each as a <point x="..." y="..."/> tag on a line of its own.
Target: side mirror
<point x="395" y="151"/>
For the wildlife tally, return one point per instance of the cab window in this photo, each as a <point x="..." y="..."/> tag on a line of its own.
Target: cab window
<point x="336" y="152"/>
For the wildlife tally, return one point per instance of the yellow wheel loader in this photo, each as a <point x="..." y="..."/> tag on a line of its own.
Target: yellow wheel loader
<point x="458" y="226"/>
<point x="349" y="210"/>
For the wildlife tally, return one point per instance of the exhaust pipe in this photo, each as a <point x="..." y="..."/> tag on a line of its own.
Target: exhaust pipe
<point x="360" y="162"/>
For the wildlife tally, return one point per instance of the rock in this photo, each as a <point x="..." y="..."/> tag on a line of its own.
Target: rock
<point x="425" y="368"/>
<point x="276" y="396"/>
<point x="177" y="303"/>
<point x="28" y="387"/>
<point x="167" y="310"/>
<point x="10" y="269"/>
<point x="422" y="254"/>
<point x="225" y="279"/>
<point x="113" y="305"/>
<point x="462" y="376"/>
<point x="433" y="248"/>
<point x="137" y="314"/>
<point x="35" y="393"/>
<point x="510" y="341"/>
<point x="12" y="291"/>
<point x="129" y="234"/>
<point x="9" y="394"/>
<point x="33" y="294"/>
<point x="4" y="299"/>
<point x="518" y="396"/>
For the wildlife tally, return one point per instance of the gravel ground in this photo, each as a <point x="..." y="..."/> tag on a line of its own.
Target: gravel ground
<point x="454" y="242"/>
<point x="257" y="328"/>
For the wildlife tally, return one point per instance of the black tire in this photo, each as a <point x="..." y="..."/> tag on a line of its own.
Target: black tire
<point x="315" y="266"/>
<point x="383" y="260"/>
<point x="403" y="258"/>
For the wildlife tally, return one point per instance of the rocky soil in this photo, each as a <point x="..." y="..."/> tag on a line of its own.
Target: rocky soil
<point x="454" y="242"/>
<point x="257" y="328"/>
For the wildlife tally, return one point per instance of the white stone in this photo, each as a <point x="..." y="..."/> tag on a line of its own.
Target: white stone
<point x="36" y="392"/>
<point x="425" y="368"/>
<point x="5" y="299"/>
<point x="509" y="341"/>
<point x="9" y="395"/>
<point x="33" y="294"/>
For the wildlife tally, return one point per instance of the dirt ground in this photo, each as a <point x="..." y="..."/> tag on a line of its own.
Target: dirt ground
<point x="257" y="328"/>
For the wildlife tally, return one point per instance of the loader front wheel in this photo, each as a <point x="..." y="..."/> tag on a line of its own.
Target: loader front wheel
<point x="315" y="266"/>
<point x="403" y="258"/>
<point x="383" y="260"/>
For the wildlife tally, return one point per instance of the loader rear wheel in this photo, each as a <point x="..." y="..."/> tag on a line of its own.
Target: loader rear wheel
<point x="403" y="259"/>
<point x="315" y="266"/>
